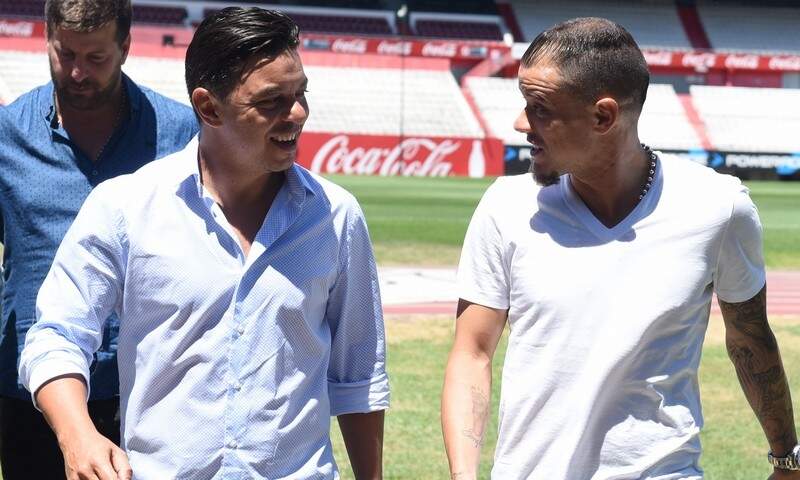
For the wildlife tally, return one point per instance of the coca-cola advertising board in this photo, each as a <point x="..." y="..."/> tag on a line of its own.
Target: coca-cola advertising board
<point x="21" y="29"/>
<point x="453" y="49"/>
<point x="395" y="156"/>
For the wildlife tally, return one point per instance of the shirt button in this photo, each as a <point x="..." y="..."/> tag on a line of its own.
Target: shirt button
<point x="237" y="386"/>
<point x="232" y="444"/>
<point x="94" y="172"/>
<point x="240" y="329"/>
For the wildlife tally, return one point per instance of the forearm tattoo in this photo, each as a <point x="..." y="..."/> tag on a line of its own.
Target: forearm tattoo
<point x="480" y="413"/>
<point x="754" y="352"/>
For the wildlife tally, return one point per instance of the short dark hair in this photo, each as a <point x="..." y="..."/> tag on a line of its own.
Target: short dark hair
<point x="228" y="40"/>
<point x="86" y="16"/>
<point x="596" y="57"/>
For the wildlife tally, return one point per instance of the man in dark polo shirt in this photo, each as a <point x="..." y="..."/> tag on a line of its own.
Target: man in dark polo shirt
<point x="57" y="142"/>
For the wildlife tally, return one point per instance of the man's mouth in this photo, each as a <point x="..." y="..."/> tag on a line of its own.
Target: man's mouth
<point x="288" y="140"/>
<point x="536" y="150"/>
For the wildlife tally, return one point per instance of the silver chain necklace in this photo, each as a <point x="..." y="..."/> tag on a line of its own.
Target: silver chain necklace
<point x="652" y="170"/>
<point x="116" y="124"/>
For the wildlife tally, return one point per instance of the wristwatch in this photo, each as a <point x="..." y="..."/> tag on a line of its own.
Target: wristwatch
<point x="790" y="462"/>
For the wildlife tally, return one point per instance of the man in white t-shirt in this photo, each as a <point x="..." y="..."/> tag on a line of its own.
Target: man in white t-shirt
<point x="605" y="272"/>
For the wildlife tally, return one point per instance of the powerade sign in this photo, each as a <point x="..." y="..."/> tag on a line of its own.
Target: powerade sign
<point x="518" y="159"/>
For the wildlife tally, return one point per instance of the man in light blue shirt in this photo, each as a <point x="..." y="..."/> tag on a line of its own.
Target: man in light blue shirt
<point x="57" y="142"/>
<point x="245" y="287"/>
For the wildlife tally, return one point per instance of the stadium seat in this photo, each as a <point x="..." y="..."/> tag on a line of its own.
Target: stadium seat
<point x="157" y="15"/>
<point x="458" y="29"/>
<point x="750" y="119"/>
<point x="385" y="101"/>
<point x="652" y="23"/>
<point x="751" y="28"/>
<point x="348" y="24"/>
<point x="22" y="8"/>
<point x="662" y="125"/>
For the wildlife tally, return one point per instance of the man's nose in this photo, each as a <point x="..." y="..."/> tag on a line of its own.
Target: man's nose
<point x="522" y="124"/>
<point x="298" y="113"/>
<point x="78" y="72"/>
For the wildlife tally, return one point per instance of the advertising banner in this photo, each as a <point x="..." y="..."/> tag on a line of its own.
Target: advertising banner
<point x="387" y="155"/>
<point x="517" y="160"/>
<point x="21" y="29"/>
<point x="453" y="49"/>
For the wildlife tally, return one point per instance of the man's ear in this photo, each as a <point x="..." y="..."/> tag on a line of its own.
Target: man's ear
<point x="206" y="106"/>
<point x="606" y="114"/>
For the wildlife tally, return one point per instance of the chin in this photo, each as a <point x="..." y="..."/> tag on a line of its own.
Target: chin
<point x="544" y="178"/>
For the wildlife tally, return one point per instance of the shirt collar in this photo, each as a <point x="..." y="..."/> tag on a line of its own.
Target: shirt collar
<point x="296" y="182"/>
<point x="47" y="103"/>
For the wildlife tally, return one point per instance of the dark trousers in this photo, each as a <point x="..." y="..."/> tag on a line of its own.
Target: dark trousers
<point x="28" y="447"/>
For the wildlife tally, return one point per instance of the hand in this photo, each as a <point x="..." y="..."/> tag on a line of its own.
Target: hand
<point x="92" y="456"/>
<point x="781" y="474"/>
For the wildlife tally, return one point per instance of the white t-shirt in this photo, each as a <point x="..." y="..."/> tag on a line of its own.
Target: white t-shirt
<point x="607" y="324"/>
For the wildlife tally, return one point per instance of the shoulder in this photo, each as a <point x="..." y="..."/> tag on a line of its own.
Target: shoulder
<point x="695" y="178"/>
<point x="513" y="195"/>
<point x="168" y="112"/>
<point x="333" y="195"/>
<point x="159" y="175"/>
<point x="699" y="188"/>
<point x="18" y="114"/>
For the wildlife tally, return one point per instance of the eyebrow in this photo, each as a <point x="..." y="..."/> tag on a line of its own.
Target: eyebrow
<point x="270" y="89"/>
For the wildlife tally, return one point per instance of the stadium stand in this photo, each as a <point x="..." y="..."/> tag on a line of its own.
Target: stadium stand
<point x="744" y="119"/>
<point x="473" y="30"/>
<point x="22" y="8"/>
<point x="751" y="28"/>
<point x="499" y="102"/>
<point x="663" y="123"/>
<point x="21" y="71"/>
<point x="159" y="15"/>
<point x="652" y="23"/>
<point x="335" y="23"/>
<point x="386" y="101"/>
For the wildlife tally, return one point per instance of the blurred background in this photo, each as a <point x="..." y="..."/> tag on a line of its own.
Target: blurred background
<point x="412" y="106"/>
<point x="426" y="87"/>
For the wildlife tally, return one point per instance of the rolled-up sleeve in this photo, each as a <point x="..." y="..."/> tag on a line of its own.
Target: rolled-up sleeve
<point x="81" y="289"/>
<point x="357" y="380"/>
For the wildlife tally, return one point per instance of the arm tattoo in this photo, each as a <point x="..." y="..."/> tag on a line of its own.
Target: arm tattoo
<point x="754" y="352"/>
<point x="480" y="413"/>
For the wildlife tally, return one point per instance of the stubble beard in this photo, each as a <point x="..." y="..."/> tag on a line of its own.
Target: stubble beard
<point x="544" y="179"/>
<point x="98" y="99"/>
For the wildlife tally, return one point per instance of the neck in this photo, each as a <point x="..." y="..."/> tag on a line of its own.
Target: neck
<point x="236" y="189"/>
<point x="612" y="191"/>
<point x="105" y="115"/>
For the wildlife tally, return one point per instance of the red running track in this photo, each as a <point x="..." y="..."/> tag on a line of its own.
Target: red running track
<point x="783" y="298"/>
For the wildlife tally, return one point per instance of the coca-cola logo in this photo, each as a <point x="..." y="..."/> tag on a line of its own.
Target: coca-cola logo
<point x="699" y="61"/>
<point x="746" y="62"/>
<point x="785" y="63"/>
<point x="394" y="48"/>
<point x="439" y="49"/>
<point x="420" y="157"/>
<point x="16" y="29"/>
<point x="660" y="58"/>
<point x="354" y="45"/>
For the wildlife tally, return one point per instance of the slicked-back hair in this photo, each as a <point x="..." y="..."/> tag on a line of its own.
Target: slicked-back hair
<point x="228" y="41"/>
<point x="596" y="57"/>
<point x="86" y="16"/>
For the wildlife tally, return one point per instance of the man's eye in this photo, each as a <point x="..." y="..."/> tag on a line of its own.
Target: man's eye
<point x="537" y="110"/>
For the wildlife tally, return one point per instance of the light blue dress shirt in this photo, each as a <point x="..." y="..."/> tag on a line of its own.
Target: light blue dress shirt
<point x="230" y="366"/>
